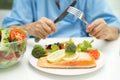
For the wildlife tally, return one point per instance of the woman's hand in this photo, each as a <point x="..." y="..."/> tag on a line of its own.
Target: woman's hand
<point x="41" y="28"/>
<point x="101" y="30"/>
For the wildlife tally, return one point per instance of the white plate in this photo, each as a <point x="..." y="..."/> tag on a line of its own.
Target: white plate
<point x="99" y="62"/>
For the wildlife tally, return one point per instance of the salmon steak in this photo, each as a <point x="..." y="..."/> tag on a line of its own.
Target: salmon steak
<point x="84" y="61"/>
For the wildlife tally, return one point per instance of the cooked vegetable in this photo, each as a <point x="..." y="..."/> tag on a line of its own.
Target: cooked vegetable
<point x="94" y="53"/>
<point x="85" y="45"/>
<point x="38" y="51"/>
<point x="60" y="45"/>
<point x="70" y="48"/>
<point x="53" y="48"/>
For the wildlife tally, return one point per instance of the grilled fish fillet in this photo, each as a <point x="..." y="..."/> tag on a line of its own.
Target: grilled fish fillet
<point x="84" y="60"/>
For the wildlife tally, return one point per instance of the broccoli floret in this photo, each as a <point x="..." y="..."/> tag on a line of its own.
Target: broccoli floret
<point x="38" y="51"/>
<point x="70" y="48"/>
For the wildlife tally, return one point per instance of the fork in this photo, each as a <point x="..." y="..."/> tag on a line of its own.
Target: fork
<point x="79" y="14"/>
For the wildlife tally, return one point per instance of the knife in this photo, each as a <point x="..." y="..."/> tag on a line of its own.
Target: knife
<point x="65" y="12"/>
<point x="37" y="39"/>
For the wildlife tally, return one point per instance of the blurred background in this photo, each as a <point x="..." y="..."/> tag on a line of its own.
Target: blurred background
<point x="6" y="5"/>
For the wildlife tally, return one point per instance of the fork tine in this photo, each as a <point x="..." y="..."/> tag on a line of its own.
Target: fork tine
<point x="77" y="13"/>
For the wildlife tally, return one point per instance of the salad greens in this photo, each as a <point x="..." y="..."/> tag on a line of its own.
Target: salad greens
<point x="5" y="35"/>
<point x="6" y="45"/>
<point x="10" y="50"/>
<point x="85" y="45"/>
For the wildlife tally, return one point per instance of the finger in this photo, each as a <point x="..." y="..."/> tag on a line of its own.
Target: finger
<point x="41" y="31"/>
<point x="89" y="28"/>
<point x="45" y="27"/>
<point x="40" y="36"/>
<point x="37" y="34"/>
<point x="99" y="34"/>
<point x="96" y="30"/>
<point x="93" y="25"/>
<point x="49" y="23"/>
<point x="28" y="28"/>
<point x="101" y="37"/>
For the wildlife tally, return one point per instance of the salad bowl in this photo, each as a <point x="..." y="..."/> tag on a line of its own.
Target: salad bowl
<point x="12" y="46"/>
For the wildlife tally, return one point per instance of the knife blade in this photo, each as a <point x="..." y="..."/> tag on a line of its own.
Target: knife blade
<point x="64" y="12"/>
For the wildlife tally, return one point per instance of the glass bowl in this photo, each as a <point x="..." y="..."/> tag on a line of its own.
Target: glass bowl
<point x="12" y="52"/>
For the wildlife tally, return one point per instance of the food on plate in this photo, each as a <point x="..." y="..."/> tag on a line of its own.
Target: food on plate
<point x="70" y="55"/>
<point x="12" y="45"/>
<point x="54" y="47"/>
<point x="94" y="53"/>
<point x="56" y="56"/>
<point x="38" y="51"/>
<point x="83" y="60"/>
<point x="70" y="48"/>
<point x="84" y="46"/>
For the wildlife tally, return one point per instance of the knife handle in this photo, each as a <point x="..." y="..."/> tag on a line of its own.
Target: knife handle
<point x="37" y="39"/>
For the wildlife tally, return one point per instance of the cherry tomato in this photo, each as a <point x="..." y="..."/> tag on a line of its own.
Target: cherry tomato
<point x="94" y="53"/>
<point x="62" y="47"/>
<point x="48" y="47"/>
<point x="17" y="34"/>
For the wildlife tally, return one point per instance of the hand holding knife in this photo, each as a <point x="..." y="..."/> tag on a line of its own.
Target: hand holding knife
<point x="60" y="17"/>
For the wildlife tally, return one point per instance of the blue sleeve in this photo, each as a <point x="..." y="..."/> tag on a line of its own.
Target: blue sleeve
<point x="20" y="14"/>
<point x="100" y="9"/>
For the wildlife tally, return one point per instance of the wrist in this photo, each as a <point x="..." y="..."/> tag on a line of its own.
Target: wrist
<point x="113" y="33"/>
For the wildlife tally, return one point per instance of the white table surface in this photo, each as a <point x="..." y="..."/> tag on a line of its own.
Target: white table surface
<point x="110" y="71"/>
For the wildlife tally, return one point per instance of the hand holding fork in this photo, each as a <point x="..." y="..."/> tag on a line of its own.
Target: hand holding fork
<point x="97" y="28"/>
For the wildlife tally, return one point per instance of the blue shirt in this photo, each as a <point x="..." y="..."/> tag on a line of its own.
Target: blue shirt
<point x="28" y="11"/>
